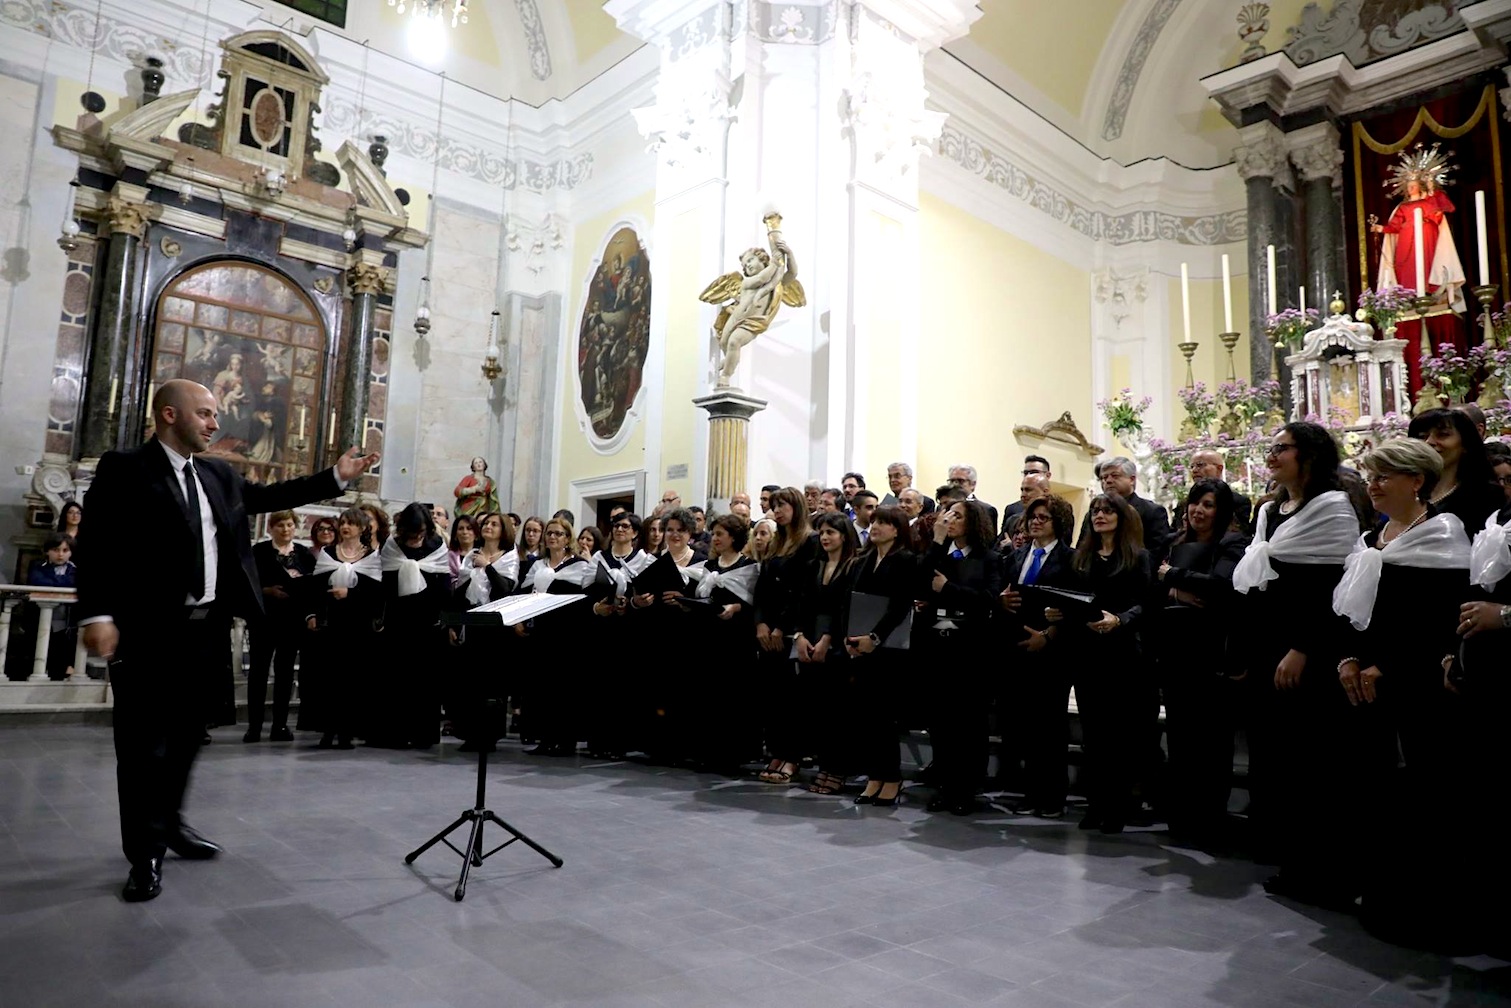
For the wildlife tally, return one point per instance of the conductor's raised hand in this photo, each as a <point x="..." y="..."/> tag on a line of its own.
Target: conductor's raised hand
<point x="101" y="638"/>
<point x="353" y="464"/>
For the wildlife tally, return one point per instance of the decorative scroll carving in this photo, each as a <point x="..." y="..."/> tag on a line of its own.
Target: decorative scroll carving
<point x="1133" y="66"/>
<point x="1063" y="430"/>
<point x="124" y="217"/>
<point x="368" y="183"/>
<point x="1364" y="31"/>
<point x="793" y="24"/>
<point x="365" y="278"/>
<point x="687" y="126"/>
<point x="149" y="121"/>
<point x="1320" y="160"/>
<point x="535" y="38"/>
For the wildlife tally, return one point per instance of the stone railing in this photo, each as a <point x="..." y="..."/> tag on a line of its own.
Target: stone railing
<point x="47" y="601"/>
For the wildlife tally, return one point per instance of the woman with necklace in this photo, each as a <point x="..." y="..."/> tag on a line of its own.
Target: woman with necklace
<point x="489" y="572"/>
<point x="656" y="619"/>
<point x="551" y="698"/>
<point x="1468" y="488"/>
<point x="278" y="633"/>
<point x="887" y="569"/>
<point x="1289" y="657"/>
<point x="792" y="548"/>
<point x="346" y="601"/>
<point x="406" y="693"/>
<point x="531" y="534"/>
<point x="610" y="730"/>
<point x="1400" y="593"/>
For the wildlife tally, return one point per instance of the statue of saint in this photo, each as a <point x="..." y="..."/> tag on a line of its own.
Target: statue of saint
<point x="477" y="493"/>
<point x="748" y="300"/>
<point x="1418" y="180"/>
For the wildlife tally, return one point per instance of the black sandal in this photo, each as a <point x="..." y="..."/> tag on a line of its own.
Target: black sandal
<point x="827" y="783"/>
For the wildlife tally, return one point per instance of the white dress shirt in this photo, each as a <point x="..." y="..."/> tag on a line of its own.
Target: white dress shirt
<point x="206" y="525"/>
<point x="1023" y="571"/>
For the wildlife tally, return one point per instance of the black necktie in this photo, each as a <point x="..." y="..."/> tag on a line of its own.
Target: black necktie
<point x="196" y="531"/>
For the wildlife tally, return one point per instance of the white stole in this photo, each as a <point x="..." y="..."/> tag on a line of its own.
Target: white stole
<point x="739" y="581"/>
<point x="344" y="575"/>
<point x="479" y="588"/>
<point x="578" y="575"/>
<point x="412" y="572"/>
<point x="1322" y="532"/>
<point x="1490" y="556"/>
<point x="1437" y="543"/>
<point x="629" y="567"/>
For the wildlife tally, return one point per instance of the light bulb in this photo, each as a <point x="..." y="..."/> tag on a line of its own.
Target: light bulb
<point x="424" y="312"/>
<point x="71" y="228"/>
<point x="492" y="353"/>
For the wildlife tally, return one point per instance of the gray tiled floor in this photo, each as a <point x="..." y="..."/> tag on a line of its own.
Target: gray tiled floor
<point x="678" y="890"/>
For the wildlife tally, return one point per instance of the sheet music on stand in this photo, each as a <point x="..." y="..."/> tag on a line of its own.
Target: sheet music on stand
<point x="515" y="609"/>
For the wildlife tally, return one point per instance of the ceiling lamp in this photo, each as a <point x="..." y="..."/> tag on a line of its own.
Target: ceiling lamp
<point x="434" y="9"/>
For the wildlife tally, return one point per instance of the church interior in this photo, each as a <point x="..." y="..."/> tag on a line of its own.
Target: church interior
<point x="629" y="251"/>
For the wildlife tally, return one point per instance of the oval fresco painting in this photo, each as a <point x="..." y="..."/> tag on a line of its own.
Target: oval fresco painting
<point x="614" y="334"/>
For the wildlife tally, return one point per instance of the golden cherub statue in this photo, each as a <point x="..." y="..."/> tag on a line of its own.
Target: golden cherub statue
<point x="749" y="299"/>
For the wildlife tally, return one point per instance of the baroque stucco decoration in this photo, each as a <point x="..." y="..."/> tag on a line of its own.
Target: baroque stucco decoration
<point x="535" y="38"/>
<point x="1366" y="30"/>
<point x="1115" y="229"/>
<point x="1133" y="66"/>
<point x="793" y="24"/>
<point x="77" y="28"/>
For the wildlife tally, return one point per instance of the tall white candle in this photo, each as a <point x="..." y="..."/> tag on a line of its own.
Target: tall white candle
<point x="331" y="441"/>
<point x="1227" y="297"/>
<point x="1185" y="299"/>
<point x="1269" y="252"/>
<point x="1301" y="298"/>
<point x="303" y="415"/>
<point x="1421" y="267"/>
<point x="1484" y="237"/>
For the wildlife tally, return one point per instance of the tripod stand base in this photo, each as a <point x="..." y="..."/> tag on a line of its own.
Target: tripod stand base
<point x="473" y="855"/>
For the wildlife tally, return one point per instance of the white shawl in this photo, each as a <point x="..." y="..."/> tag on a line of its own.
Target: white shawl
<point x="1438" y="543"/>
<point x="412" y="572"/>
<point x="578" y="575"/>
<point x="344" y="575"/>
<point x="479" y="588"/>
<point x="1322" y="532"/>
<point x="629" y="567"/>
<point x="1490" y="556"/>
<point x="739" y="581"/>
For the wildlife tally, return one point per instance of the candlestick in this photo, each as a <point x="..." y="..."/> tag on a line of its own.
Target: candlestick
<point x="1227" y="296"/>
<point x="1185" y="299"/>
<point x="1484" y="294"/>
<point x="1484" y="237"/>
<point x="1421" y="269"/>
<point x="1269" y="251"/>
<point x="1229" y="342"/>
<point x="1188" y="350"/>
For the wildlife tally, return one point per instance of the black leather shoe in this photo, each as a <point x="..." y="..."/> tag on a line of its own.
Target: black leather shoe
<point x="252" y="735"/>
<point x="188" y="844"/>
<point x="938" y="803"/>
<point x="145" y="881"/>
<point x="280" y="735"/>
<point x="963" y="807"/>
<point x="1090" y="821"/>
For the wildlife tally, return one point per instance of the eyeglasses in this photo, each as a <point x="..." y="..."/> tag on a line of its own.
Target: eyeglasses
<point x="555" y="532"/>
<point x="623" y="525"/>
<point x="1102" y="510"/>
<point x="1380" y="479"/>
<point x="1038" y="517"/>
<point x="1503" y="480"/>
<point x="1034" y="472"/>
<point x="1276" y="450"/>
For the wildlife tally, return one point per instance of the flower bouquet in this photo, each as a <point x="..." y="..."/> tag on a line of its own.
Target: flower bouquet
<point x="1124" y="414"/>
<point x="1452" y="372"/>
<point x="1385" y="306"/>
<point x="1289" y="327"/>
<point x="1246" y="403"/>
<point x="1201" y="406"/>
<point x="1500" y="325"/>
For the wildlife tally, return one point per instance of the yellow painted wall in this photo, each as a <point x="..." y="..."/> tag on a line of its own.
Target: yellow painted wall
<point x="578" y="458"/>
<point x="1052" y="46"/>
<point x="1006" y="340"/>
<point x="681" y="245"/>
<point x="1210" y="364"/>
<point x="879" y="346"/>
<point x="592" y="29"/>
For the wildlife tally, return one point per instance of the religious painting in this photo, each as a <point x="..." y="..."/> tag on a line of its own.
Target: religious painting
<point x="250" y="336"/>
<point x="614" y="334"/>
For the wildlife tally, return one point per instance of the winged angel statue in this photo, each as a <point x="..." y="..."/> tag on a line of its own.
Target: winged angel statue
<point x="749" y="299"/>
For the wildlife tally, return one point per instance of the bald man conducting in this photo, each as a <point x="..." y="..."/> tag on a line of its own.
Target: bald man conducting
<point x="170" y="563"/>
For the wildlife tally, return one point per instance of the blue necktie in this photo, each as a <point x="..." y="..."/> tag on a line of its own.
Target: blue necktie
<point x="957" y="555"/>
<point x="1032" y="577"/>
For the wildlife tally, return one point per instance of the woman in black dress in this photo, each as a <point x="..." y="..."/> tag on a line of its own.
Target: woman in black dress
<point x="1468" y="488"/>
<point x="792" y="549"/>
<point x="477" y="670"/>
<point x="279" y="633"/>
<point x="822" y="659"/>
<point x="887" y="569"/>
<point x="552" y="702"/>
<point x="961" y="578"/>
<point x="406" y="695"/>
<point x="344" y="600"/>
<point x="531" y="533"/>
<point x="650" y="536"/>
<point x="1286" y="642"/>
<point x="609" y="724"/>
<point x="1187" y="636"/>
<point x="1115" y="691"/>
<point x="665" y="685"/>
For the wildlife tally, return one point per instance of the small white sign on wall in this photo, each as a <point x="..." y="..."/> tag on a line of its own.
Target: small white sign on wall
<point x="679" y="471"/>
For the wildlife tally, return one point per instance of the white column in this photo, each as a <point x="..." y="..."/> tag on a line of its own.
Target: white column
<point x="5" y="618"/>
<point x="44" y="638"/>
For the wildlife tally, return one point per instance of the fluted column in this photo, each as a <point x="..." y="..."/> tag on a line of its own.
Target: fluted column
<point x="729" y="413"/>
<point x="366" y="282"/>
<point x="1263" y="165"/>
<point x="1318" y="158"/>
<point x="113" y="322"/>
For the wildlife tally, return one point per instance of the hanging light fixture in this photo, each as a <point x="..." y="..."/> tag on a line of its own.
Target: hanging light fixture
<point x="434" y="9"/>
<point x="68" y="239"/>
<point x="491" y="366"/>
<point x="422" y="314"/>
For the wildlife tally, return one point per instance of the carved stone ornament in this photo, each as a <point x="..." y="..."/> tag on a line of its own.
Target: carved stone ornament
<point x="1320" y="160"/>
<point x="532" y="238"/>
<point x="686" y="126"/>
<point x="125" y="217"/>
<point x="889" y="124"/>
<point x="1364" y="31"/>
<point x="325" y="284"/>
<point x="170" y="248"/>
<point x="365" y="278"/>
<point x="1264" y="158"/>
<point x="55" y="483"/>
<point x="1063" y="430"/>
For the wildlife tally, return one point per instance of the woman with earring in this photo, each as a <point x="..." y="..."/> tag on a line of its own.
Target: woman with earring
<point x="962" y="577"/>
<point x="886" y="568"/>
<point x="1400" y="593"/>
<point x="490" y="572"/>
<point x="793" y="549"/>
<point x="609" y="725"/>
<point x="1468" y="489"/>
<point x="417" y="586"/>
<point x="658" y="617"/>
<point x="1286" y="643"/>
<point x="822" y="659"/>
<point x="551" y="699"/>
<point x="345" y="605"/>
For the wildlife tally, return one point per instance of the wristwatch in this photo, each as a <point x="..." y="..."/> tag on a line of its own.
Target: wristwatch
<point x="1506" y="617"/>
<point x="876" y="641"/>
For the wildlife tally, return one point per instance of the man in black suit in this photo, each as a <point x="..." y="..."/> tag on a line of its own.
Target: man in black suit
<point x="1209" y="464"/>
<point x="900" y="478"/>
<point x="1037" y="467"/>
<point x="964" y="477"/>
<point x="1119" y="475"/>
<point x="170" y="563"/>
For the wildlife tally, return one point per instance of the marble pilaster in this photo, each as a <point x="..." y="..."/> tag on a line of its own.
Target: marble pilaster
<point x="1318" y="157"/>
<point x="1263" y="165"/>
<point x="366" y="282"/>
<point x="113" y="331"/>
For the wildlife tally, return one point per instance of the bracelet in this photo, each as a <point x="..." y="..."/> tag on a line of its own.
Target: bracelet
<point x="1345" y="662"/>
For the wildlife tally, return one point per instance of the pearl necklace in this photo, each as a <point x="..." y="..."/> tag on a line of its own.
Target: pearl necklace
<point x="1443" y="493"/>
<point x="342" y="554"/>
<point x="1414" y="523"/>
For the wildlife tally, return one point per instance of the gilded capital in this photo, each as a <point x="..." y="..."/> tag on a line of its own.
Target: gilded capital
<point x="365" y="278"/>
<point x="125" y="217"/>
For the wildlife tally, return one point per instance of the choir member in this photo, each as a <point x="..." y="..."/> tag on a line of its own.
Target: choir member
<point x="531" y="533"/>
<point x="1468" y="489"/>
<point x="1287" y="645"/>
<point x="793" y="548"/>
<point x="1400" y="592"/>
<point x="345" y="603"/>
<point x="659" y="618"/>
<point x="962" y="577"/>
<point x="589" y="542"/>
<point x="462" y="542"/>
<point x="551" y="700"/>
<point x="417" y="585"/>
<point x="614" y="696"/>
<point x="650" y="535"/>
<point x="1038" y="694"/>
<point x="378" y="525"/>
<point x="1188" y="635"/>
<point x="822" y="659"/>
<point x="488" y="573"/>
<point x="1115" y="692"/>
<point x="761" y="534"/>
<point x="322" y="533"/>
<point x="279" y="632"/>
<point x="886" y="569"/>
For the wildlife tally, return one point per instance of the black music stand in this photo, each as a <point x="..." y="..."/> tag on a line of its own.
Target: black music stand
<point x="477" y="815"/>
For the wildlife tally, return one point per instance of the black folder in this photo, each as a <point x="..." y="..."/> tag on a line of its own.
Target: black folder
<point x="1078" y="607"/>
<point x="867" y="611"/>
<point x="661" y="576"/>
